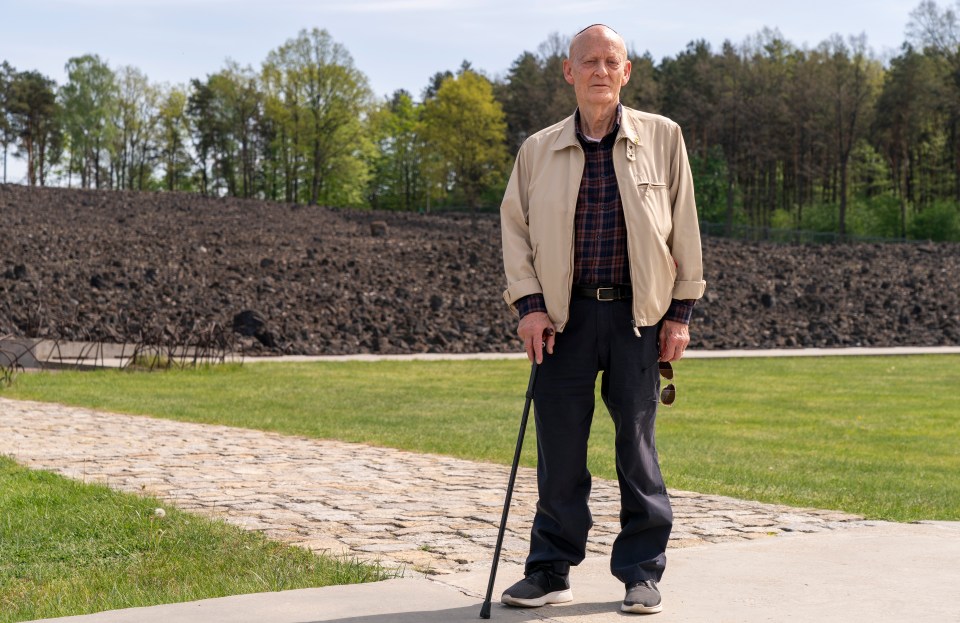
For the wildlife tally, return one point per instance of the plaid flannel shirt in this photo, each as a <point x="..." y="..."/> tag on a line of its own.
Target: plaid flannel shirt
<point x="600" y="231"/>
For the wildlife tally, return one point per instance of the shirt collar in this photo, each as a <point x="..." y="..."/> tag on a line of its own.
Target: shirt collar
<point x="612" y="133"/>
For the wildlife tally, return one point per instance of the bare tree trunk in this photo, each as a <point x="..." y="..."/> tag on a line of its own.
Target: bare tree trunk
<point x="730" y="196"/>
<point x="31" y="163"/>
<point x="843" y="198"/>
<point x="315" y="181"/>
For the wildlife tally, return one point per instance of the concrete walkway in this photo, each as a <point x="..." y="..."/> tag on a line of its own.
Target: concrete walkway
<point x="436" y="517"/>
<point x="887" y="573"/>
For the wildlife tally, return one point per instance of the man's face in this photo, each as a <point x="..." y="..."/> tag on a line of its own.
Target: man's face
<point x="597" y="67"/>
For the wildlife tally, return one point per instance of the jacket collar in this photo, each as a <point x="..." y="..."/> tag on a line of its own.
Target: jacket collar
<point x="567" y="137"/>
<point x="629" y="130"/>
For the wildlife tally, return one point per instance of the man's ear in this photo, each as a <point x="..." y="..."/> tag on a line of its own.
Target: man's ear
<point x="568" y="70"/>
<point x="627" y="68"/>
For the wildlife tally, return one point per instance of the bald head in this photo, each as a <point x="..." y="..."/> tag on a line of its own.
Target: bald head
<point x="596" y="32"/>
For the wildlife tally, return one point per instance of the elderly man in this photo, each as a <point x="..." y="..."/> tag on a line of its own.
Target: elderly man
<point x="601" y="250"/>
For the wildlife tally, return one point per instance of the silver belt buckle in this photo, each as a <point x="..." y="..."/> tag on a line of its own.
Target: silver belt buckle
<point x="601" y="299"/>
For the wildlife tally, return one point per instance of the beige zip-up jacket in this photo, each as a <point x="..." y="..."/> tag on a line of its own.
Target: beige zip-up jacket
<point x="656" y="189"/>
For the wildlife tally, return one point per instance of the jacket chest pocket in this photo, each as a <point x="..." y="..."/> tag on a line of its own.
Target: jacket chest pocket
<point x="655" y="201"/>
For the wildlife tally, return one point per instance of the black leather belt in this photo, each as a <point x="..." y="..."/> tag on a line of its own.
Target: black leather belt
<point x="604" y="293"/>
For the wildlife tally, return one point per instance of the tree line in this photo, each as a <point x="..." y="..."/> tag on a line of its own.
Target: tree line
<point x="780" y="137"/>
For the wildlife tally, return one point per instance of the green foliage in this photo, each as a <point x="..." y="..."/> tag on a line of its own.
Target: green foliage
<point x="535" y="94"/>
<point x="68" y="548"/>
<point x="643" y="90"/>
<point x="224" y="113"/>
<point x="315" y="103"/>
<point x="136" y="119"/>
<point x="7" y="73"/>
<point x="828" y="136"/>
<point x="89" y="100"/>
<point x="398" y="180"/>
<point x="783" y="220"/>
<point x="239" y="110"/>
<point x="802" y="431"/>
<point x="869" y="173"/>
<point x="172" y="135"/>
<point x="821" y="217"/>
<point x="464" y="126"/>
<point x="34" y="118"/>
<point x="876" y="217"/>
<point x="939" y="222"/>
<point x="710" y="183"/>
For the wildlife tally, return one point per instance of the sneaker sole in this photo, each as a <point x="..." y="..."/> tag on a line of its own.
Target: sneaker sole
<point x="641" y="609"/>
<point x="556" y="597"/>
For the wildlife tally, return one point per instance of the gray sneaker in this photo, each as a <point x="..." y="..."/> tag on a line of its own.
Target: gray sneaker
<point x="540" y="588"/>
<point x="642" y="598"/>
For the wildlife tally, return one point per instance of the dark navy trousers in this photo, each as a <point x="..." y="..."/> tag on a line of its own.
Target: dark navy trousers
<point x="599" y="339"/>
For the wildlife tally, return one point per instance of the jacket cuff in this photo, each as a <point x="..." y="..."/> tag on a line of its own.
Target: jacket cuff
<point x="519" y="289"/>
<point x="685" y="290"/>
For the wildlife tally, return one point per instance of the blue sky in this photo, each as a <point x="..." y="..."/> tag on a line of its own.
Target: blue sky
<point x="402" y="43"/>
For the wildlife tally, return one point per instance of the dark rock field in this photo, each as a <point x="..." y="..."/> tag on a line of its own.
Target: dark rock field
<point x="290" y="279"/>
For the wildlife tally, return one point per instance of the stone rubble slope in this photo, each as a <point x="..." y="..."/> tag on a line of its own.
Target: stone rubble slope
<point x="114" y="266"/>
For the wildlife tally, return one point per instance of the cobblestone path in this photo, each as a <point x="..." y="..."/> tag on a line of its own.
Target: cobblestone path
<point x="428" y="513"/>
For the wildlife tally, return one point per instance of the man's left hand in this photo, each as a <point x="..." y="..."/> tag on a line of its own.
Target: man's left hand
<point x="674" y="337"/>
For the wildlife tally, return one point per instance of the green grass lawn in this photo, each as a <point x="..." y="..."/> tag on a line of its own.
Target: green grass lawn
<point x="68" y="548"/>
<point x="879" y="436"/>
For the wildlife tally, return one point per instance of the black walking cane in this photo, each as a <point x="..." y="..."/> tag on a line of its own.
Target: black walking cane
<point x="485" y="609"/>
